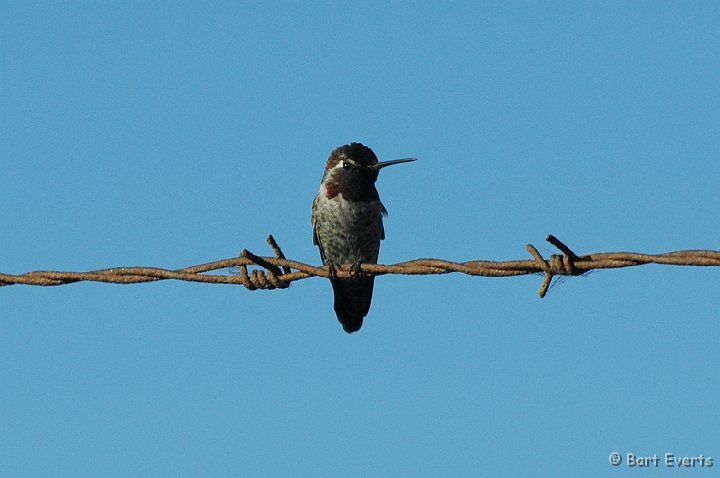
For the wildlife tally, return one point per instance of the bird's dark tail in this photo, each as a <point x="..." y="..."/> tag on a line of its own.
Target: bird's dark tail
<point x="352" y="301"/>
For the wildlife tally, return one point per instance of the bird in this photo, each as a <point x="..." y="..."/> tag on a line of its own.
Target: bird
<point x="347" y="220"/>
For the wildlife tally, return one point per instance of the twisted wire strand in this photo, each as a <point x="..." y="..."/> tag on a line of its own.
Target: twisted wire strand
<point x="278" y="272"/>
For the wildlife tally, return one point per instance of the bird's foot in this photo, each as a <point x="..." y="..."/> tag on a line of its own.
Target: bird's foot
<point x="356" y="270"/>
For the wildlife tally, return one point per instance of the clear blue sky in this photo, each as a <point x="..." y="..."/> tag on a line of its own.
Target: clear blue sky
<point x="178" y="133"/>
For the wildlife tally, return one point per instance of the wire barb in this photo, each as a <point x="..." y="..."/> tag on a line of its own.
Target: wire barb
<point x="563" y="265"/>
<point x="260" y="279"/>
<point x="278" y="272"/>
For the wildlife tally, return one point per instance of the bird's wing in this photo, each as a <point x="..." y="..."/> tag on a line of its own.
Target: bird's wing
<point x="316" y="238"/>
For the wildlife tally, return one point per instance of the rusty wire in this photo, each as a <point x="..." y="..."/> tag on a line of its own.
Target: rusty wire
<point x="278" y="272"/>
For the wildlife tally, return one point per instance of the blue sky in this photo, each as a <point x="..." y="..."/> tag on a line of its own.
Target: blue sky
<point x="172" y="134"/>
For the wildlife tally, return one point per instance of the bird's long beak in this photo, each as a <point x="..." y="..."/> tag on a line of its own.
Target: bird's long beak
<point x="382" y="164"/>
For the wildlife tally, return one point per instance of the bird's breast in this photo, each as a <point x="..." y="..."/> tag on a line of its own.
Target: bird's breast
<point x="348" y="231"/>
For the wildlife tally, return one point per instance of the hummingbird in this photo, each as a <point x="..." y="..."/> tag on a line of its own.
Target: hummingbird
<point x="347" y="219"/>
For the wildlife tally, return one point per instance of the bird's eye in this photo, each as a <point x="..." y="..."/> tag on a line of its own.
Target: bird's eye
<point x="346" y="165"/>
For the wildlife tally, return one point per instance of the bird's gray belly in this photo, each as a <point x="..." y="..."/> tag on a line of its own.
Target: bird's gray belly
<point x="349" y="232"/>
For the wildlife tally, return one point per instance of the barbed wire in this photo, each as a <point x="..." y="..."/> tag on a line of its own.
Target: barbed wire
<point x="278" y="272"/>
